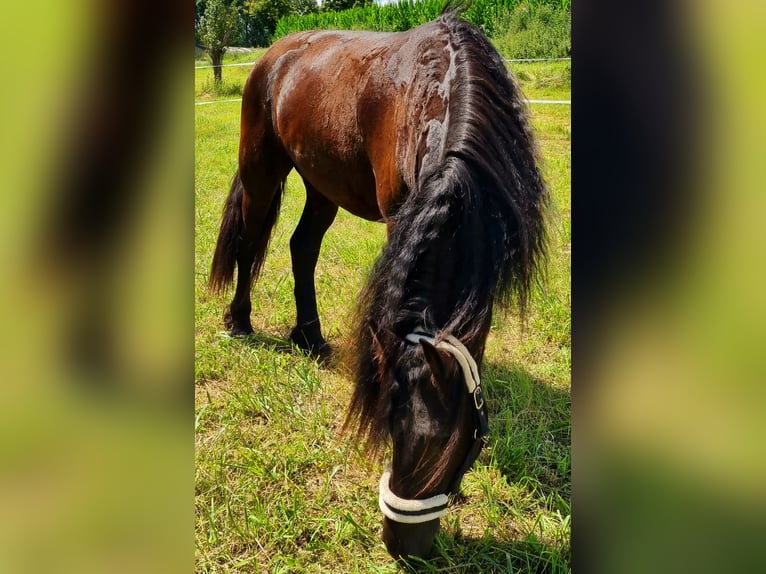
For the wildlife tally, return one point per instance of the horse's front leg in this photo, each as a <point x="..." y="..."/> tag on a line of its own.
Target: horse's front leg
<point x="318" y="215"/>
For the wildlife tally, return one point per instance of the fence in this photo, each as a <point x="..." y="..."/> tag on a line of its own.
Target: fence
<point x="506" y="59"/>
<point x="521" y="60"/>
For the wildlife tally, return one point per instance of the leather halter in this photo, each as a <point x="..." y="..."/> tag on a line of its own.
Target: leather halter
<point x="415" y="511"/>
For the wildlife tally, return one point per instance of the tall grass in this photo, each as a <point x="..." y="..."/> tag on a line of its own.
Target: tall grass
<point x="531" y="31"/>
<point x="406" y="14"/>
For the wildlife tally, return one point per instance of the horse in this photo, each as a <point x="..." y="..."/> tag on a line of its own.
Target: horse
<point x="426" y="131"/>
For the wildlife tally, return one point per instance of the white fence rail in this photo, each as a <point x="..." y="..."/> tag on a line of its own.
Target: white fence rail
<point x="549" y="102"/>
<point x="506" y="59"/>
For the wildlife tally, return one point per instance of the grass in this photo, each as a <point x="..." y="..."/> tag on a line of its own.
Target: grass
<point x="278" y="487"/>
<point x="544" y="80"/>
<point x="233" y="77"/>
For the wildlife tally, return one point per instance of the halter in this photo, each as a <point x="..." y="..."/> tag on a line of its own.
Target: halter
<point x="412" y="511"/>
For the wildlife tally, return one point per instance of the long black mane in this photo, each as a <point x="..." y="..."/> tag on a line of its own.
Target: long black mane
<point x="471" y="234"/>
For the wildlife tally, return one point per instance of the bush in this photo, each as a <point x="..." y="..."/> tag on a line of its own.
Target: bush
<point x="539" y="31"/>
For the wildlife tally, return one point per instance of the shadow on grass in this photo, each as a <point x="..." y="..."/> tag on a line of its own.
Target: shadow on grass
<point x="265" y="341"/>
<point x="260" y="340"/>
<point x="471" y="555"/>
<point x="530" y="429"/>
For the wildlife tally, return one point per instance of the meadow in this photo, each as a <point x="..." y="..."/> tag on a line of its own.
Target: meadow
<point x="279" y="488"/>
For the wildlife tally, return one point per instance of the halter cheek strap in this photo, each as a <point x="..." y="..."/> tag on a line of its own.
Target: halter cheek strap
<point x="464" y="359"/>
<point x="415" y="511"/>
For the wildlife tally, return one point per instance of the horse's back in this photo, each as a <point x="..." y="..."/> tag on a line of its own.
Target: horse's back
<point x="356" y="111"/>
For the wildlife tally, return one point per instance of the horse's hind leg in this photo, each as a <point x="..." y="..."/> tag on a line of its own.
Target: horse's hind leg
<point x="318" y="214"/>
<point x="263" y="184"/>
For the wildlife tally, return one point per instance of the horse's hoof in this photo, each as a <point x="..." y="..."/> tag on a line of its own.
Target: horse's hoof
<point x="315" y="347"/>
<point x="323" y="353"/>
<point x="236" y="328"/>
<point x="238" y="331"/>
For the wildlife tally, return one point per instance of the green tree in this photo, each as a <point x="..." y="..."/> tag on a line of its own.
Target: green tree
<point x="302" y="7"/>
<point x="338" y="5"/>
<point x="218" y="26"/>
<point x="264" y="14"/>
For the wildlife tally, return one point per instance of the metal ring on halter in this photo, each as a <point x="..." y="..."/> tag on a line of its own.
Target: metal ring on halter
<point x="478" y="398"/>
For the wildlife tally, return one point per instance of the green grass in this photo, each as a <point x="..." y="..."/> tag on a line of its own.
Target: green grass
<point x="233" y="77"/>
<point x="279" y="488"/>
<point x="544" y="80"/>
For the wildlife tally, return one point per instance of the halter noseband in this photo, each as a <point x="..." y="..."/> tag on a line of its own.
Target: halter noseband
<point x="412" y="511"/>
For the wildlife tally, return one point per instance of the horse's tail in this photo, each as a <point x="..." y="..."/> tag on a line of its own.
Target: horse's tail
<point x="229" y="235"/>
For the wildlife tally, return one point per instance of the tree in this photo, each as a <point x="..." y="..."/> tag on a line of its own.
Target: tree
<point x="218" y="26"/>
<point x="338" y="5"/>
<point x="264" y="14"/>
<point x="302" y="7"/>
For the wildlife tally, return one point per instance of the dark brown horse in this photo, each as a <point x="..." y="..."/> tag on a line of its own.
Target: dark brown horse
<point x="425" y="131"/>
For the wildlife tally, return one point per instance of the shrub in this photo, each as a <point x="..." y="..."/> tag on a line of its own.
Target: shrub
<point x="535" y="31"/>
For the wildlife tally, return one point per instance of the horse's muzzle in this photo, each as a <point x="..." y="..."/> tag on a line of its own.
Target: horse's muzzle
<point x="404" y="540"/>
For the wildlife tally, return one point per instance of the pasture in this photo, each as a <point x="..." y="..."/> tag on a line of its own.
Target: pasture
<point x="279" y="488"/>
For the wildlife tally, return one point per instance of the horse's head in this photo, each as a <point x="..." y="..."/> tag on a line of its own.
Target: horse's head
<point x="438" y="425"/>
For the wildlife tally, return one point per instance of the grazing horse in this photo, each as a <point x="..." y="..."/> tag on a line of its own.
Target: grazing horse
<point x="426" y="131"/>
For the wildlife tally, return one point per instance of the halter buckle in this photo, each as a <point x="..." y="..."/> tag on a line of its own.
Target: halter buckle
<point x="478" y="398"/>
